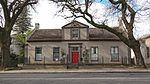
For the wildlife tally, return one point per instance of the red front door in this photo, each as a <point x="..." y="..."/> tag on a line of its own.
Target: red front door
<point x="75" y="56"/>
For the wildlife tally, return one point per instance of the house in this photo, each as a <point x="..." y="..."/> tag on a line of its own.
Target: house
<point x="145" y="48"/>
<point x="75" y="43"/>
<point x="14" y="47"/>
<point x="0" y="54"/>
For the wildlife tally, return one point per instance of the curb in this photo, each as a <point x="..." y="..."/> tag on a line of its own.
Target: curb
<point x="72" y="71"/>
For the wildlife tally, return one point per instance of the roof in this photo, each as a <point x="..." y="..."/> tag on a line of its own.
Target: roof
<point x="101" y="34"/>
<point x="144" y="37"/>
<point x="44" y="35"/>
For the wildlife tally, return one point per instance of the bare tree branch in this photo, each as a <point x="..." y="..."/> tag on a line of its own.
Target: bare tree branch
<point x="124" y="9"/>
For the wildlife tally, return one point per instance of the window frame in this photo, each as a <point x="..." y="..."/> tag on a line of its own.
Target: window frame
<point x="116" y="58"/>
<point x="58" y="53"/>
<point x="94" y="52"/>
<point x="148" y="52"/>
<point x="37" y="52"/>
<point x="75" y="33"/>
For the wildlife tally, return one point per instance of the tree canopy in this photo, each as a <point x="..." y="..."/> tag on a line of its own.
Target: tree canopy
<point x="23" y="22"/>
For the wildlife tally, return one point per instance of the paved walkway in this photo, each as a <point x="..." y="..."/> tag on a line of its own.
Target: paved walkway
<point x="101" y="70"/>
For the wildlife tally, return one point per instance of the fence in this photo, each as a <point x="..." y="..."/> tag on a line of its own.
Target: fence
<point x="0" y="58"/>
<point x="102" y="60"/>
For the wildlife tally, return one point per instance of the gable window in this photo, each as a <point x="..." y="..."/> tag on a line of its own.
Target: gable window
<point x="75" y="33"/>
<point x="114" y="53"/>
<point x="55" y="53"/>
<point x="94" y="53"/>
<point x="38" y="53"/>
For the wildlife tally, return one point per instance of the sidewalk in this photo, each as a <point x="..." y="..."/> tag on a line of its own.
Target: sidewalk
<point x="101" y="70"/>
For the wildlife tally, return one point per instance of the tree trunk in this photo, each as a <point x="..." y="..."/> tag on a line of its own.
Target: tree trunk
<point x="6" y="41"/>
<point x="138" y="54"/>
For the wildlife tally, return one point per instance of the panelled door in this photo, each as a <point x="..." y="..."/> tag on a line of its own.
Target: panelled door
<point x="75" y="56"/>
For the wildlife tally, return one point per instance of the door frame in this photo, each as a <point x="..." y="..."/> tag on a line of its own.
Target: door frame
<point x="70" y="46"/>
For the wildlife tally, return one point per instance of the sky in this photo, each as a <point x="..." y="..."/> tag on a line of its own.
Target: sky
<point x="45" y="15"/>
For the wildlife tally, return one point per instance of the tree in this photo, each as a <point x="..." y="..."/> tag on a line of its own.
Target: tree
<point x="21" y="40"/>
<point x="21" y="30"/>
<point x="11" y="9"/>
<point x="124" y="8"/>
<point x="23" y="22"/>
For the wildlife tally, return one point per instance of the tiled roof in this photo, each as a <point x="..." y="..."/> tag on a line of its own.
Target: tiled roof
<point x="46" y="35"/>
<point x="146" y="36"/>
<point x="56" y="35"/>
<point x="101" y="34"/>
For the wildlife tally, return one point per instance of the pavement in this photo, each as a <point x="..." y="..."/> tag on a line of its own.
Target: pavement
<point x="101" y="70"/>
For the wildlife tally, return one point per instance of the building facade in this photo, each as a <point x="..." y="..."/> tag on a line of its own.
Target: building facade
<point x="145" y="48"/>
<point x="75" y="43"/>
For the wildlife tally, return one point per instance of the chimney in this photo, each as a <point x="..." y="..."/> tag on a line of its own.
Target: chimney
<point x="37" y="26"/>
<point x="120" y="22"/>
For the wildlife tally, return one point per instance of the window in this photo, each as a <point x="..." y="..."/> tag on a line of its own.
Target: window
<point x="74" y="48"/>
<point x="148" y="52"/>
<point x="55" y="53"/>
<point x="94" y="53"/>
<point x="114" y="53"/>
<point x="75" y="33"/>
<point x="38" y="53"/>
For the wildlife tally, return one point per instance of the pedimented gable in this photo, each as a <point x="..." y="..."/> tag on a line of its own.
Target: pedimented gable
<point x="75" y="24"/>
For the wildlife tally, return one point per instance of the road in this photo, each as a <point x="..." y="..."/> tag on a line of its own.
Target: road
<point x="76" y="78"/>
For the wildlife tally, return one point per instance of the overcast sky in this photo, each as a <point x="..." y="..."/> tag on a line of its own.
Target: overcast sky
<point x="45" y="15"/>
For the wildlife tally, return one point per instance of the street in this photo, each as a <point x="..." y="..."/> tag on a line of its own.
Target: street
<point x="76" y="78"/>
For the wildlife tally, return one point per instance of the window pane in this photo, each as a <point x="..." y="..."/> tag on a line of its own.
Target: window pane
<point x="148" y="52"/>
<point x="94" y="53"/>
<point x="114" y="53"/>
<point x="114" y="57"/>
<point x="38" y="57"/>
<point x="38" y="53"/>
<point x="92" y="50"/>
<point x="112" y="50"/>
<point x="55" y="53"/>
<point x="74" y="48"/>
<point x="56" y="49"/>
<point x="75" y="33"/>
<point x="116" y="50"/>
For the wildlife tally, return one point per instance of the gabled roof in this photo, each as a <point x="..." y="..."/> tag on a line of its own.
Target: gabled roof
<point x="101" y="34"/>
<point x="44" y="35"/>
<point x="145" y="36"/>
<point x="75" y="24"/>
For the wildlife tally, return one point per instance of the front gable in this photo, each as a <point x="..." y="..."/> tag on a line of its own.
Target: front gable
<point x="75" y="24"/>
<point x="75" y="31"/>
